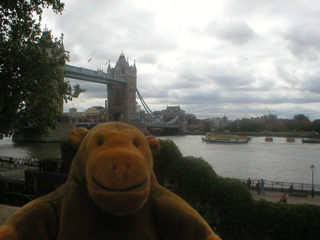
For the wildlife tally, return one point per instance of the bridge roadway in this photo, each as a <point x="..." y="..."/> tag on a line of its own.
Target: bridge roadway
<point x="90" y="75"/>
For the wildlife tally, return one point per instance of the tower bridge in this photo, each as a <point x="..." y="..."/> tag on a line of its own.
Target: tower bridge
<point x="121" y="81"/>
<point x="121" y="84"/>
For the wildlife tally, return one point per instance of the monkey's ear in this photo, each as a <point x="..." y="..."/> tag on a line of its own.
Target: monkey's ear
<point x="77" y="135"/>
<point x="154" y="145"/>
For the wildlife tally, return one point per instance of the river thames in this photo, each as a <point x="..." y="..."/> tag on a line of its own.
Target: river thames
<point x="274" y="161"/>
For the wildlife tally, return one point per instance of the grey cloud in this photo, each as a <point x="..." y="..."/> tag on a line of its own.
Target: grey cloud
<point x="147" y="58"/>
<point x="312" y="84"/>
<point x="230" y="80"/>
<point x="153" y="93"/>
<point x="304" y="41"/>
<point x="237" y="32"/>
<point x="287" y="75"/>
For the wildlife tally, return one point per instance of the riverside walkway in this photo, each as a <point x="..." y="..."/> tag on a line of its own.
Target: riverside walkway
<point x="274" y="196"/>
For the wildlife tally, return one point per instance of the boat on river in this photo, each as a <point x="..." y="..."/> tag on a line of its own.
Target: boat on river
<point x="225" y="138"/>
<point x="311" y="140"/>
<point x="290" y="139"/>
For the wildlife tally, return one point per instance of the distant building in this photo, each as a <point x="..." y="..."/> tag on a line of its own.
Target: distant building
<point x="216" y="124"/>
<point x="94" y="114"/>
<point x="73" y="110"/>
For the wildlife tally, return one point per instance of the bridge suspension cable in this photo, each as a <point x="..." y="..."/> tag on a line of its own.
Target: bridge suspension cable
<point x="160" y="120"/>
<point x="146" y="107"/>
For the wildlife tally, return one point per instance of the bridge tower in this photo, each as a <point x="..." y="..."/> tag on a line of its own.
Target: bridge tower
<point x="121" y="96"/>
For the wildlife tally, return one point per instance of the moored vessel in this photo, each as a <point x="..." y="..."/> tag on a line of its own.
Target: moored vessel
<point x="290" y="139"/>
<point x="311" y="140"/>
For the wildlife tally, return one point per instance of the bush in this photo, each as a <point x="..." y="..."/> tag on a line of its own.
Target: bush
<point x="284" y="221"/>
<point x="231" y="204"/>
<point x="166" y="160"/>
<point x="194" y="177"/>
<point x="68" y="152"/>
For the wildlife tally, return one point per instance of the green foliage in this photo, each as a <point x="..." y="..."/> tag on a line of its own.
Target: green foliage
<point x="206" y="127"/>
<point x="230" y="201"/>
<point x="245" y="125"/>
<point x="68" y="152"/>
<point x="316" y="125"/>
<point x="32" y="87"/>
<point x="283" y="221"/>
<point x="167" y="158"/>
<point x="194" y="177"/>
<point x="299" y="117"/>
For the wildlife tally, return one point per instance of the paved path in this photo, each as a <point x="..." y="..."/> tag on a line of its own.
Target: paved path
<point x="14" y="173"/>
<point x="274" y="196"/>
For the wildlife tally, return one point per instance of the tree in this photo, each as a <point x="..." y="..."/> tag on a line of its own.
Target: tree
<point x="206" y="127"/>
<point x="299" y="117"/>
<point x="316" y="125"/>
<point x="32" y="85"/>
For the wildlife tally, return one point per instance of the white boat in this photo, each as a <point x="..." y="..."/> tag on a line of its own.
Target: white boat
<point x="225" y="138"/>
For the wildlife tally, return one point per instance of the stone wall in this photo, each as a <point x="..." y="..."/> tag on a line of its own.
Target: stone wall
<point x="60" y="134"/>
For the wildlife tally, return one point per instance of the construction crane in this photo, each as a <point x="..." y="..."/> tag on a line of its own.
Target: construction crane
<point x="268" y="111"/>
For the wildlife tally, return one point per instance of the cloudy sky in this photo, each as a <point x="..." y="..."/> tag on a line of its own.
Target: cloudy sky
<point x="242" y="58"/>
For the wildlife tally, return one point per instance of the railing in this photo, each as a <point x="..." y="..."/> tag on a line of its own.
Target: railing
<point x="53" y="166"/>
<point x="45" y="165"/>
<point x="284" y="186"/>
<point x="14" y="162"/>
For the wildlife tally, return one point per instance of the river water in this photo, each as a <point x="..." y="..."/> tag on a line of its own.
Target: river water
<point x="274" y="161"/>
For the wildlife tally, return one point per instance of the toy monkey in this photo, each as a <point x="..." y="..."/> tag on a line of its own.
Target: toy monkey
<point x="111" y="193"/>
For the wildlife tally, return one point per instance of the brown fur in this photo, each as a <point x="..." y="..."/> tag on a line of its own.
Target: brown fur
<point x="111" y="193"/>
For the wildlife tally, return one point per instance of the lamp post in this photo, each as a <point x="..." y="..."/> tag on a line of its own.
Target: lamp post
<point x="312" y="170"/>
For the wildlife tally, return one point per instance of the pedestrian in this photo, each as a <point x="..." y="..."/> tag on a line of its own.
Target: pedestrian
<point x="249" y="183"/>
<point x="284" y="198"/>
<point x="291" y="188"/>
<point x="258" y="187"/>
<point x="262" y="186"/>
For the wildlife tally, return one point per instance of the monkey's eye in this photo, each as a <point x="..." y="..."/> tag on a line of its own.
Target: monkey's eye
<point x="135" y="143"/>
<point x="100" y="141"/>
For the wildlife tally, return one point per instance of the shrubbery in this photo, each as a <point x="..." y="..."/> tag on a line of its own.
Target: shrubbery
<point x="227" y="204"/>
